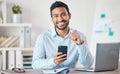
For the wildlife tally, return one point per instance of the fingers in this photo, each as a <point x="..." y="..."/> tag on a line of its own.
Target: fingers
<point x="59" y="58"/>
<point x="72" y="36"/>
<point x="79" y="41"/>
<point x="75" y="37"/>
<point x="60" y="53"/>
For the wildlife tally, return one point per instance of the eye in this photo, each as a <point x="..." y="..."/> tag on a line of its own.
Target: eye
<point x="55" y="16"/>
<point x="63" y="14"/>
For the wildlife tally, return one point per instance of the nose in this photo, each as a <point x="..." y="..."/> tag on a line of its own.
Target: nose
<point x="60" y="18"/>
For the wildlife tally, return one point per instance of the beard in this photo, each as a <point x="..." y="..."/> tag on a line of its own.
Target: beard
<point x="63" y="27"/>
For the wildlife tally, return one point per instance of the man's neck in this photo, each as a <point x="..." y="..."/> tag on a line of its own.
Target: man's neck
<point x="62" y="33"/>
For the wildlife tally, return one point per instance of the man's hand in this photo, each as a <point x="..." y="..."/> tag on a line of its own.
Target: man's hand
<point x="75" y="37"/>
<point x="59" y="57"/>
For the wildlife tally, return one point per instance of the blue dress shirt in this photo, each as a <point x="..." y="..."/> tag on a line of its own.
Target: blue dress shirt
<point x="47" y="46"/>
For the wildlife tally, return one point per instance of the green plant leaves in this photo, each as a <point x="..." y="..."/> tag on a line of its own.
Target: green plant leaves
<point x="16" y="9"/>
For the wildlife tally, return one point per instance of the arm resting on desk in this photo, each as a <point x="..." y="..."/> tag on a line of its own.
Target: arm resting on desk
<point x="39" y="60"/>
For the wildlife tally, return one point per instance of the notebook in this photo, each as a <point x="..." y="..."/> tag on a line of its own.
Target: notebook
<point x="107" y="57"/>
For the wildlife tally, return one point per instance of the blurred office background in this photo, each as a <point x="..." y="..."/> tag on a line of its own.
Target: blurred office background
<point x="99" y="20"/>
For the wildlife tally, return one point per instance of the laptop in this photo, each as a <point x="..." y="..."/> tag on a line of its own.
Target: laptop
<point x="107" y="57"/>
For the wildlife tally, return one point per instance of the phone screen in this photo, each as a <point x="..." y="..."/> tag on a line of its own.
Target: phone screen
<point x="62" y="49"/>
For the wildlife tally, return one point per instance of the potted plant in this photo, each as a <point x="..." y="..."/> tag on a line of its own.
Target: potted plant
<point x="17" y="17"/>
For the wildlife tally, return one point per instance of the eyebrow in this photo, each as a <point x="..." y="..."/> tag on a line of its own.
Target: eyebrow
<point x="61" y="13"/>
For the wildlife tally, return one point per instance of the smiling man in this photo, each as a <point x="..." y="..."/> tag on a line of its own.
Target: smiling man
<point x="46" y="55"/>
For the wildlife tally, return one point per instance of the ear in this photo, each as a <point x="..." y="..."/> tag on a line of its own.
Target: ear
<point x="69" y="15"/>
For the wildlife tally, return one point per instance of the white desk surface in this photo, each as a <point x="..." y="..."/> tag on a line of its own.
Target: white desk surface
<point x="27" y="71"/>
<point x="117" y="71"/>
<point x="31" y="71"/>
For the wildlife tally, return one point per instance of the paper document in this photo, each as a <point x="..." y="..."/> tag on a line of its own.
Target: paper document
<point x="54" y="71"/>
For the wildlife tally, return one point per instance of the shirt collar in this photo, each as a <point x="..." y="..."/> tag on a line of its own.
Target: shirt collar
<point x="54" y="34"/>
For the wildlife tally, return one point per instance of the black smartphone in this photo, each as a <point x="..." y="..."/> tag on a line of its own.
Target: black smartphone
<point x="62" y="49"/>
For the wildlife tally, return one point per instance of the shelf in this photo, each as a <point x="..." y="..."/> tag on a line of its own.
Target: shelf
<point x="16" y="48"/>
<point x="23" y="30"/>
<point x="16" y="25"/>
<point x="27" y="62"/>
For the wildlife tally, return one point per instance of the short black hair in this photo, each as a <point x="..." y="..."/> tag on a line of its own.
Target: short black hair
<point x="58" y="4"/>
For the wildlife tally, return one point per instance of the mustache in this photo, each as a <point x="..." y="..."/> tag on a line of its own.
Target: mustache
<point x="60" y="21"/>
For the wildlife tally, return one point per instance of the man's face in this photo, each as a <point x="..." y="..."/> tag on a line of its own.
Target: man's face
<point x="60" y="18"/>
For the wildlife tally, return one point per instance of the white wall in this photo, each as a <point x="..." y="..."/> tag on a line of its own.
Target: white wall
<point x="37" y="13"/>
<point x="111" y="8"/>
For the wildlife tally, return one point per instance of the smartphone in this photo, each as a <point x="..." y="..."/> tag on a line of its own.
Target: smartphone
<point x="62" y="49"/>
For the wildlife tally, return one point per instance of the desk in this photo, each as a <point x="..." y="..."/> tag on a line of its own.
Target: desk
<point x="104" y="72"/>
<point x="27" y="71"/>
<point x="31" y="71"/>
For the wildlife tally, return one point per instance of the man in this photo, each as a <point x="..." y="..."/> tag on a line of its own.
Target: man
<point x="46" y="53"/>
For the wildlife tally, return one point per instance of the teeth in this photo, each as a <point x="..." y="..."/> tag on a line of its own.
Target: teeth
<point x="61" y="23"/>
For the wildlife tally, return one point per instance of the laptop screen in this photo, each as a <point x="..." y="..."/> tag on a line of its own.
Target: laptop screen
<point x="107" y="56"/>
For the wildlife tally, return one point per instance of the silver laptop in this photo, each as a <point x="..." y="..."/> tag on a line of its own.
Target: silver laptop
<point x="107" y="57"/>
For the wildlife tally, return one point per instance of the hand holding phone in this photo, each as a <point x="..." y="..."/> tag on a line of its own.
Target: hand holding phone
<point x="60" y="57"/>
<point x="62" y="49"/>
